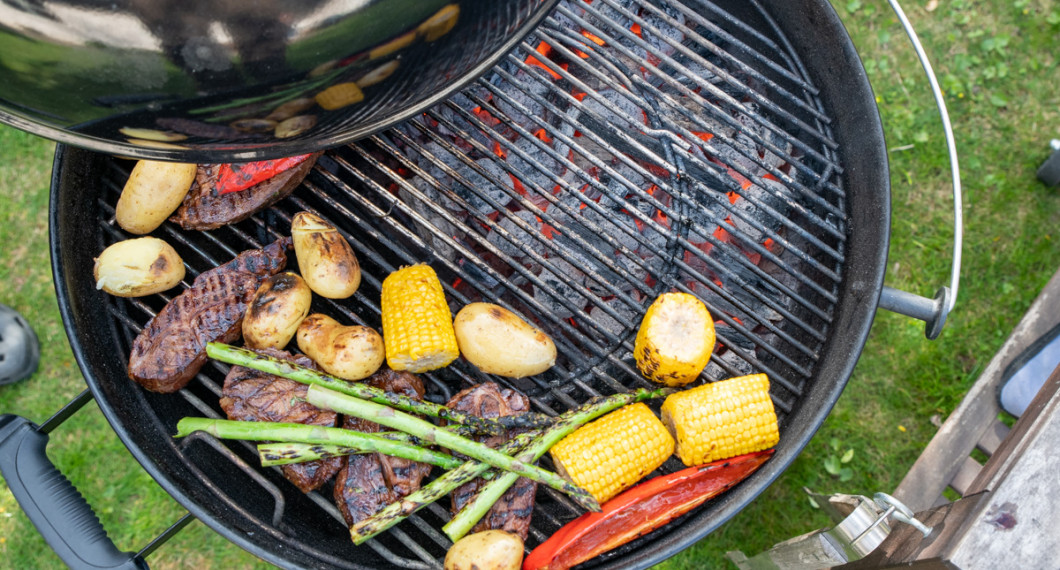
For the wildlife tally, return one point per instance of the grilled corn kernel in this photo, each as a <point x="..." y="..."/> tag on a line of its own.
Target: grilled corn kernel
<point x="722" y="419"/>
<point x="417" y="325"/>
<point x="339" y="96"/>
<point x="614" y="452"/>
<point x="675" y="339"/>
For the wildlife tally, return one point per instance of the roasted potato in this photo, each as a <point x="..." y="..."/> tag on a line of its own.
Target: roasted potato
<point x="349" y="352"/>
<point x="487" y="550"/>
<point x="498" y="342"/>
<point x="154" y="190"/>
<point x="137" y="267"/>
<point x="276" y="310"/>
<point x="325" y="258"/>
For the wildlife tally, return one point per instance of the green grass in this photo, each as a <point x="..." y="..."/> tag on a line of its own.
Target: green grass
<point x="998" y="65"/>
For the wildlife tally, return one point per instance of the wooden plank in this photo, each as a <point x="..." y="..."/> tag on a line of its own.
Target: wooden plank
<point x="942" y="458"/>
<point x="992" y="437"/>
<point x="966" y="475"/>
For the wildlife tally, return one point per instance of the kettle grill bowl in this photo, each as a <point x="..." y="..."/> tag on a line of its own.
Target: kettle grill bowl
<point x="218" y="482"/>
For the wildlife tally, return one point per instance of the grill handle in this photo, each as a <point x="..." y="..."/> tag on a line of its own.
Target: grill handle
<point x="932" y="311"/>
<point x="61" y="515"/>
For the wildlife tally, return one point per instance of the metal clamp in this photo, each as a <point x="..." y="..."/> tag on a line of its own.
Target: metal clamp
<point x="893" y="508"/>
<point x="932" y="311"/>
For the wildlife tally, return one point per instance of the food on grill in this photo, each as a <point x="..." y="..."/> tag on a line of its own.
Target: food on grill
<point x="615" y="451"/>
<point x="224" y="194"/>
<point x="675" y="339"/>
<point x="487" y="550"/>
<point x="279" y="305"/>
<point x="352" y="352"/>
<point x="417" y="323"/>
<point x="339" y="96"/>
<point x="325" y="258"/>
<point x="513" y="510"/>
<point x="722" y="419"/>
<point x="531" y="448"/>
<point x="640" y="510"/>
<point x="171" y="348"/>
<point x="153" y="190"/>
<point x="498" y="342"/>
<point x="252" y="396"/>
<point x="442" y="437"/>
<point x="137" y="267"/>
<point x="367" y="483"/>
<point x="264" y="363"/>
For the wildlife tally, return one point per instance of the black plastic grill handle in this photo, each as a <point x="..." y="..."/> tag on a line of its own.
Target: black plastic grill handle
<point x="53" y="504"/>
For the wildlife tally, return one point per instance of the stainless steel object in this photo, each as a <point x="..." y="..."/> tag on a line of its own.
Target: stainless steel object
<point x="226" y="80"/>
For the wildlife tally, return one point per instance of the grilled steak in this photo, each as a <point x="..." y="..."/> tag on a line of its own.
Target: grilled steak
<point x="512" y="512"/>
<point x="204" y="208"/>
<point x="369" y="482"/>
<point x="252" y="396"/>
<point x="171" y="349"/>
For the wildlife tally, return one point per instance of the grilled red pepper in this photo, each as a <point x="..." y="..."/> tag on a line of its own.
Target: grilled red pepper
<point x="640" y="510"/>
<point x="240" y="176"/>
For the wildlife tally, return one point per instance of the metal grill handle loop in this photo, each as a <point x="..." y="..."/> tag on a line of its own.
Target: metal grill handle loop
<point x="932" y="311"/>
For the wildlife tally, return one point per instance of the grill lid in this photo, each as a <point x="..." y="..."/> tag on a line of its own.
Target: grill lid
<point x="624" y="150"/>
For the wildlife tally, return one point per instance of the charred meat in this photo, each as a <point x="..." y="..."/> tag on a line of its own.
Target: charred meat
<point x="171" y="348"/>
<point x="252" y="396"/>
<point x="512" y="512"/>
<point x="206" y="208"/>
<point x="369" y="482"/>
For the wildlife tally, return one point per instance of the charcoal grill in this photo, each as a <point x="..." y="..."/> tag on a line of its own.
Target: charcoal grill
<point x="713" y="148"/>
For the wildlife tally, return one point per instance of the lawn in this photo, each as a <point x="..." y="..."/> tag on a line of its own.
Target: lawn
<point x="997" y="64"/>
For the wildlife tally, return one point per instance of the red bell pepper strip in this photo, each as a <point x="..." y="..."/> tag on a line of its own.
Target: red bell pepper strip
<point x="640" y="510"/>
<point x="240" y="176"/>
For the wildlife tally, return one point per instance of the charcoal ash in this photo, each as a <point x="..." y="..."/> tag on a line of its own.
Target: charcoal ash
<point x="656" y="32"/>
<point x="586" y="263"/>
<point x="630" y="115"/>
<point x="613" y="222"/>
<point x="530" y="107"/>
<point x="476" y="185"/>
<point x="627" y="316"/>
<point x="634" y="274"/>
<point x="520" y="239"/>
<point x="477" y="275"/>
<point x="731" y="337"/>
<point x="556" y="292"/>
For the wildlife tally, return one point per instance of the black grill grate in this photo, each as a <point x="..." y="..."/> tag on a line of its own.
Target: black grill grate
<point x="623" y="150"/>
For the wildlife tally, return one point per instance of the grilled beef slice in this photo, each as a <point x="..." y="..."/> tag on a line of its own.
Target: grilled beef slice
<point x="252" y="396"/>
<point x="204" y="208"/>
<point x="512" y="512"/>
<point x="369" y="482"/>
<point x="171" y="349"/>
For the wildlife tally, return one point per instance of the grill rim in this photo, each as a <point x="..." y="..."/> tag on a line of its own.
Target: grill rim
<point x="859" y="298"/>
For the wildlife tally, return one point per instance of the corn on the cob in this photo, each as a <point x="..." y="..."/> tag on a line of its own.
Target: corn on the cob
<point x="339" y="96"/>
<point x="614" y="452"/>
<point x="417" y="325"/>
<point x="675" y="339"/>
<point x="722" y="419"/>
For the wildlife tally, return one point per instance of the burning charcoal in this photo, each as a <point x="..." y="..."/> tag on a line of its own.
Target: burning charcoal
<point x="522" y="107"/>
<point x="556" y="292"/>
<point x="538" y="171"/>
<point x="478" y="186"/>
<point x="627" y="316"/>
<point x="657" y="31"/>
<point x="611" y="222"/>
<point x="731" y="337"/>
<point x="586" y="262"/>
<point x="727" y="361"/>
<point x="428" y="219"/>
<point x="478" y="276"/>
<point x="520" y="239"/>
<point x="781" y="142"/>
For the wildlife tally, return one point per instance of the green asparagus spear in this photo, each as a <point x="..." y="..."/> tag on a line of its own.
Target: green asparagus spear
<point x="564" y="424"/>
<point x="270" y="431"/>
<point x="286" y="453"/>
<point x="389" y="417"/>
<point x="301" y="374"/>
